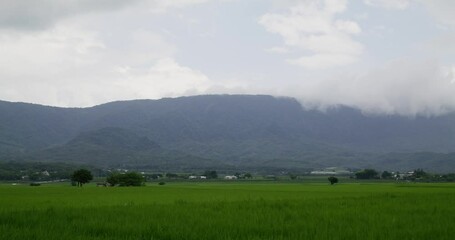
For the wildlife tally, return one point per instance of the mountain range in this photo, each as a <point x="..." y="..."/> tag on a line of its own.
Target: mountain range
<point x="225" y="131"/>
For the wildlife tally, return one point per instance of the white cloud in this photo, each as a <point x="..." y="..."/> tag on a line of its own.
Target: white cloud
<point x="42" y="14"/>
<point x="405" y="87"/>
<point x="69" y="66"/>
<point x="164" y="79"/>
<point x="389" y="4"/>
<point x="49" y="52"/>
<point x="163" y="5"/>
<point x="321" y="61"/>
<point x="279" y="50"/>
<point x="81" y="52"/>
<point x="347" y="27"/>
<point x="312" y="26"/>
<point x="442" y="10"/>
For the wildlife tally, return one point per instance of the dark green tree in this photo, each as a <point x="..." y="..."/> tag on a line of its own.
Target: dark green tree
<point x="367" y="174"/>
<point x="156" y="176"/>
<point x="419" y="173"/>
<point x="449" y="177"/>
<point x="81" y="177"/>
<point x="333" y="180"/>
<point x="113" y="179"/>
<point x="211" y="174"/>
<point x="172" y="175"/>
<point x="386" y="175"/>
<point x="126" y="179"/>
<point x="131" y="179"/>
<point x="248" y="175"/>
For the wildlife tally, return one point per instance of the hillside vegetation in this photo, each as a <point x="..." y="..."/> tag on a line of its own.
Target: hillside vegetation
<point x="234" y="130"/>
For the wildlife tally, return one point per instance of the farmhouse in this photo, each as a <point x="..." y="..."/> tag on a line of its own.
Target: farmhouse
<point x="197" y="177"/>
<point x="331" y="171"/>
<point x="403" y="176"/>
<point x="230" y="177"/>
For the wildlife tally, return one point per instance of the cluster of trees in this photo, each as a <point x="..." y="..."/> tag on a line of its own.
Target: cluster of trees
<point x="416" y="175"/>
<point x="210" y="174"/>
<point x="83" y="176"/>
<point x="446" y="177"/>
<point x="367" y="174"/>
<point x="126" y="179"/>
<point x="13" y="171"/>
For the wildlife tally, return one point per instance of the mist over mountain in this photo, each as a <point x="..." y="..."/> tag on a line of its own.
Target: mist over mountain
<point x="225" y="130"/>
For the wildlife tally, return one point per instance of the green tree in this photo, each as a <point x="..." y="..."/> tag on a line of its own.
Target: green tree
<point x="449" y="177"/>
<point x="419" y="173"/>
<point x="211" y="174"/>
<point x="248" y="175"/>
<point x="172" y="175"/>
<point x="386" y="175"/>
<point x="333" y="180"/>
<point x="113" y="179"/>
<point x="126" y="179"/>
<point x="156" y="176"/>
<point x="367" y="174"/>
<point x="81" y="177"/>
<point x="131" y="179"/>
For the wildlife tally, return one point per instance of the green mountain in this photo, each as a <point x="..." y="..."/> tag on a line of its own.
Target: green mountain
<point x="237" y="130"/>
<point x="118" y="147"/>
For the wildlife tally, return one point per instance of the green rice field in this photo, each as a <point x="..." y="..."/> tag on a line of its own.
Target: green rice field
<point x="234" y="210"/>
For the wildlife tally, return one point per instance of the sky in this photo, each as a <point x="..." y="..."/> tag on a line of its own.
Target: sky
<point x="381" y="56"/>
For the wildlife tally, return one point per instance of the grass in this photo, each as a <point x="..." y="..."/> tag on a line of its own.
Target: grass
<point x="229" y="211"/>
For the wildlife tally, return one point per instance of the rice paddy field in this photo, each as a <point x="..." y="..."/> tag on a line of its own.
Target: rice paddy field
<point x="234" y="210"/>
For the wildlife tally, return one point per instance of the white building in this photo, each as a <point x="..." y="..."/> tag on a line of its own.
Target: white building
<point x="230" y="177"/>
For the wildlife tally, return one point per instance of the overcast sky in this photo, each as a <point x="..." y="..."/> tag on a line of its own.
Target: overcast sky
<point x="382" y="56"/>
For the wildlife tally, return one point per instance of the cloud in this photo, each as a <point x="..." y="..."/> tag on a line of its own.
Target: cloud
<point x="389" y="4"/>
<point x="320" y="61"/>
<point x="405" y="87"/>
<point x="279" y="50"/>
<point x="42" y="14"/>
<point x="442" y="10"/>
<point x="164" y="5"/>
<point x="312" y="26"/>
<point x="70" y="66"/>
<point x="166" y="78"/>
<point x="92" y="59"/>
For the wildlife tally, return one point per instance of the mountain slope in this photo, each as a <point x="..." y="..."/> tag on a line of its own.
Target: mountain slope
<point x="242" y="130"/>
<point x="119" y="147"/>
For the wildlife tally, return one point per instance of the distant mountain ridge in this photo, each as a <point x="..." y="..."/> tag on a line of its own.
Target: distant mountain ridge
<point x="237" y="130"/>
<point x="109" y="147"/>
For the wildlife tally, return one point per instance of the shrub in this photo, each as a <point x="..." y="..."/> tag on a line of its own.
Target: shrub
<point x="333" y="180"/>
